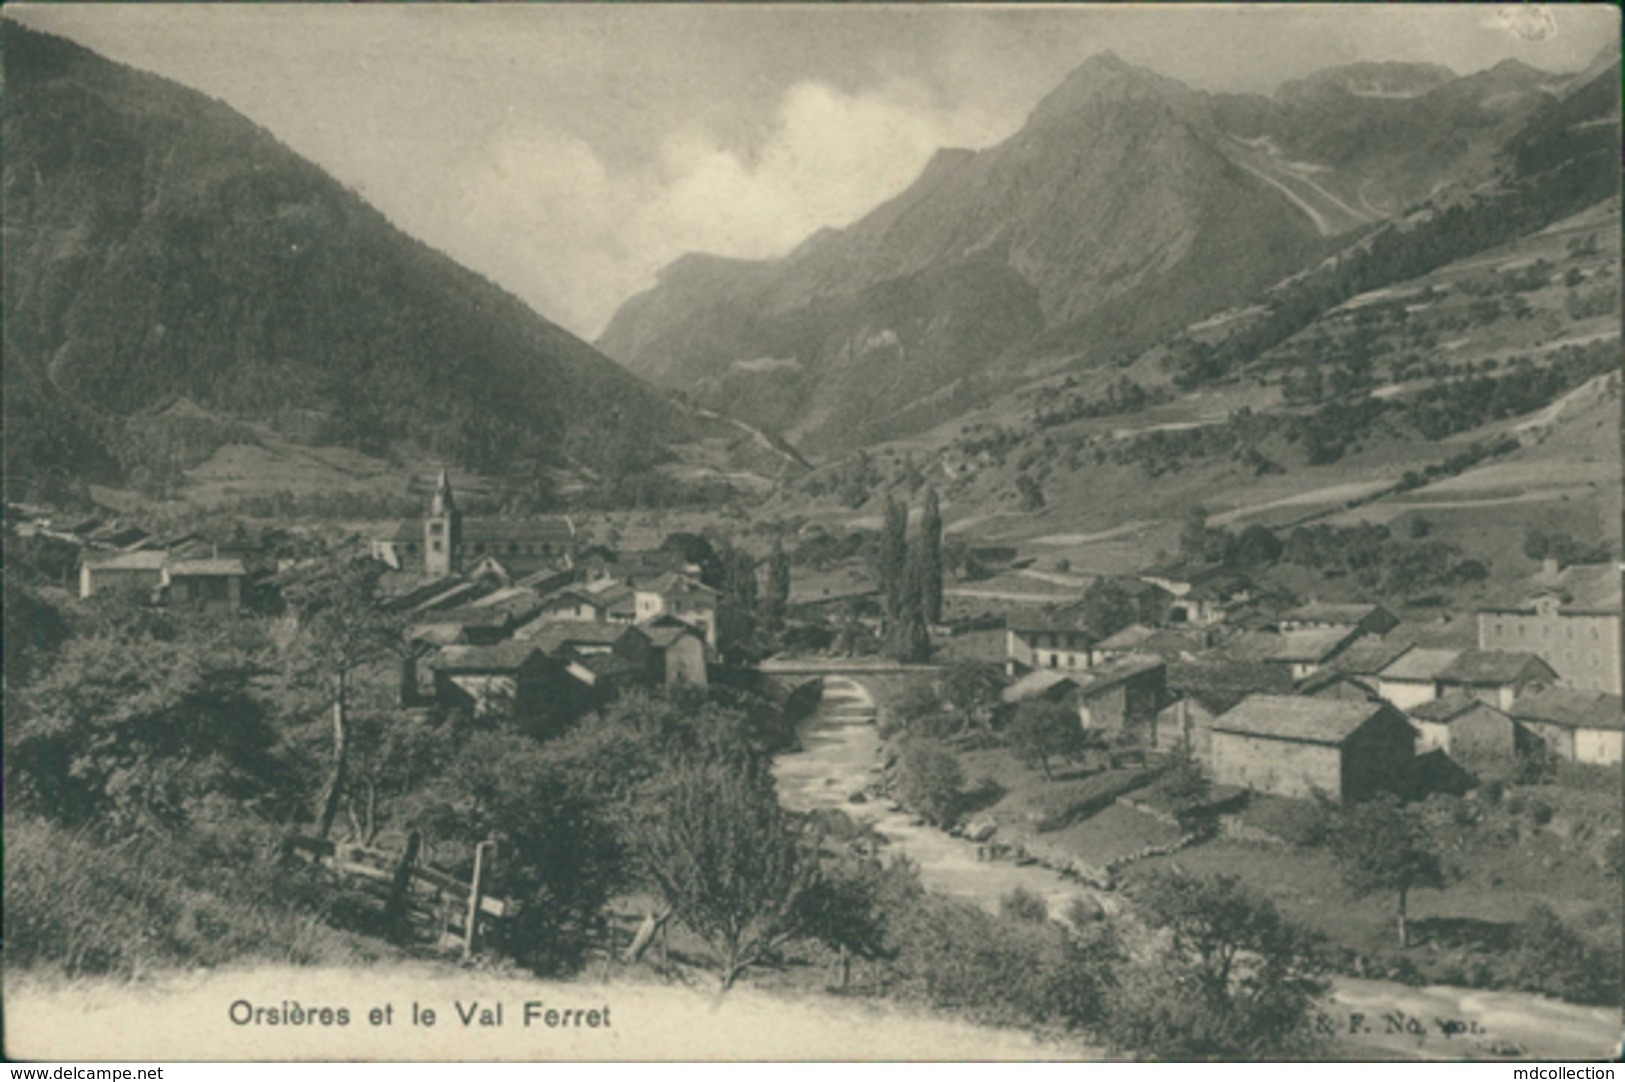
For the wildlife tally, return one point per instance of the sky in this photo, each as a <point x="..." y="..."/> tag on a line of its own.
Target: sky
<point x="569" y="151"/>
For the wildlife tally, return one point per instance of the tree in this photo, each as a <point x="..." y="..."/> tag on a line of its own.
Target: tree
<point x="728" y="861"/>
<point x="136" y="730"/>
<point x="1042" y="730"/>
<point x="779" y="576"/>
<point x="1382" y="845"/>
<point x="931" y="557"/>
<point x="1238" y="980"/>
<point x="930" y="781"/>
<point x="1029" y="496"/>
<point x="893" y="559"/>
<point x="342" y="630"/>
<point x="737" y="607"/>
<point x="1257" y="546"/>
<point x="971" y="689"/>
<point x="911" y="639"/>
<point x="557" y="853"/>
<point x="1108" y="607"/>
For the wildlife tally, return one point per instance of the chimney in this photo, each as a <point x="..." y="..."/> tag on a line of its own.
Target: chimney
<point x="1550" y="566"/>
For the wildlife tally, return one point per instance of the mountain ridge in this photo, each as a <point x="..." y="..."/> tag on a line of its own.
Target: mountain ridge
<point x="159" y="243"/>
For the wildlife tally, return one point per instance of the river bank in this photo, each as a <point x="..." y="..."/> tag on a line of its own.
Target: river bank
<point x="841" y="754"/>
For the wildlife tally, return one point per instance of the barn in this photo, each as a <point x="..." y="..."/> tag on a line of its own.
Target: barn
<point x="1291" y="746"/>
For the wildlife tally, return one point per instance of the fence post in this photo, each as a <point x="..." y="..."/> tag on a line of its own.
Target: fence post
<point x="395" y="909"/>
<point x="476" y="887"/>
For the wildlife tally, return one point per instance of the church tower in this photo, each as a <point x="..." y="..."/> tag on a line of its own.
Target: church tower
<point x="442" y="531"/>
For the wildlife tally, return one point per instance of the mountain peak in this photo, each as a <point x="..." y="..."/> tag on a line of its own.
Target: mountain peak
<point x="1103" y="77"/>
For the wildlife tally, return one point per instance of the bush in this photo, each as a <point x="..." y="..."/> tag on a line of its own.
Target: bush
<point x="1540" y="812"/>
<point x="997" y="970"/>
<point x="931" y="781"/>
<point x="85" y="909"/>
<point x="1234" y="980"/>
<point x="1553" y="958"/>
<point x="1024" y="905"/>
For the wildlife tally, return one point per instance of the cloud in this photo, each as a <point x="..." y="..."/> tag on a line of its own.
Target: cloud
<point x="548" y="217"/>
<point x="1527" y="22"/>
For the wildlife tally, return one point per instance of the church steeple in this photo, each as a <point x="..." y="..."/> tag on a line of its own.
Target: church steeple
<point x="443" y="531"/>
<point x="443" y="504"/>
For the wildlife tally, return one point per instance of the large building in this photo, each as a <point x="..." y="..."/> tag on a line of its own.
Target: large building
<point x="445" y="543"/>
<point x="1292" y="746"/>
<point x="1570" y="617"/>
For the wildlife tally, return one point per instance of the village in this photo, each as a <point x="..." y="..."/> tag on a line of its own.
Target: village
<point x="1189" y="664"/>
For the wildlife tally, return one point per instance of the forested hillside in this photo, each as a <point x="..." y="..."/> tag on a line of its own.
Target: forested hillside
<point x="157" y="244"/>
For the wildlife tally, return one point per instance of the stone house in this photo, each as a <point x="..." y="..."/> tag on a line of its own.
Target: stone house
<point x="512" y="680"/>
<point x="1465" y="728"/>
<point x="1578" y="726"/>
<point x="682" y="596"/>
<point x="1413" y="677"/>
<point x="677" y="653"/>
<point x="1110" y="698"/>
<point x="1292" y="746"/>
<point x="1496" y="677"/>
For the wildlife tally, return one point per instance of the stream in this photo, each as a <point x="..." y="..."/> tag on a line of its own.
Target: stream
<point x="840" y="755"/>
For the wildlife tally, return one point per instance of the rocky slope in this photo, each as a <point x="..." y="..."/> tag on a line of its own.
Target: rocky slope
<point x="1127" y="206"/>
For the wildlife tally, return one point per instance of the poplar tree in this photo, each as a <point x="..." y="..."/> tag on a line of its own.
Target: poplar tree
<point x="894" y="559"/>
<point x="931" y="557"/>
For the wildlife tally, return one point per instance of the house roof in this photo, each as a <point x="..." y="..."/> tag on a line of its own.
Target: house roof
<point x="1321" y="612"/>
<point x="663" y="635"/>
<point x="468" y="616"/>
<point x="185" y="568"/>
<point x="1313" y="645"/>
<point x="1570" y="708"/>
<point x="608" y="665"/>
<point x="1419" y="664"/>
<point x="1370" y="655"/>
<point x="1294" y="717"/>
<point x="1494" y="667"/>
<point x="1323" y="680"/>
<point x="1035" y="683"/>
<point x="1447" y="708"/>
<point x="551" y="636"/>
<point x="1582" y="588"/>
<point x="1222" y="679"/>
<point x="127" y="561"/>
<point x="1089" y="682"/>
<point x="1128" y="638"/>
<point x="503" y="657"/>
<point x="673" y="584"/>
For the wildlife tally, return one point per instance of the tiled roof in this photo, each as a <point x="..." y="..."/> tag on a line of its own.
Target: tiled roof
<point x="1570" y="708"/>
<point x="1321" y="612"/>
<point x="1370" y="655"/>
<point x="663" y="635"/>
<point x="1128" y="638"/>
<point x="1293" y="717"/>
<point x="1419" y="664"/>
<point x="206" y="567"/>
<point x="501" y="658"/>
<point x="1451" y="706"/>
<point x="1494" y="667"/>
<point x="1036" y="683"/>
<point x="128" y="561"/>
<point x="1314" y="645"/>
<point x="551" y="636"/>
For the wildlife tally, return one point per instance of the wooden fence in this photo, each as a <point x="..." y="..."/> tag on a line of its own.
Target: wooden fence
<point x="418" y="900"/>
